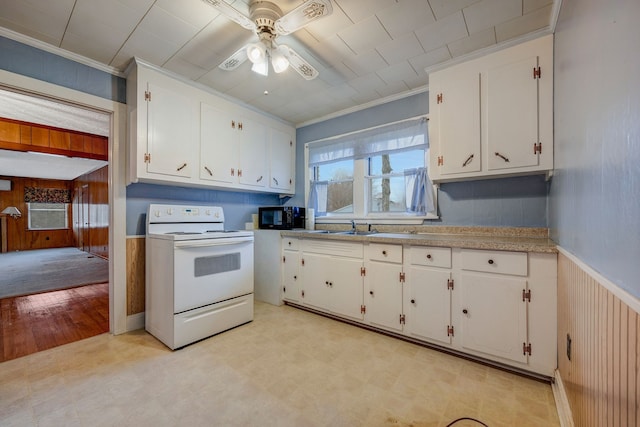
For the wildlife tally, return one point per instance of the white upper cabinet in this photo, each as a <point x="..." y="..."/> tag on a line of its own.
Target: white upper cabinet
<point x="493" y="116"/>
<point x="180" y="134"/>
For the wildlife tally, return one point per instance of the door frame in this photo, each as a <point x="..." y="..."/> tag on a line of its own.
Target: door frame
<point x="116" y="178"/>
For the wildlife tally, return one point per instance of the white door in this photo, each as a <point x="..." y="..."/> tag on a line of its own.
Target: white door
<point x="428" y="312"/>
<point x="252" y="140"/>
<point x="281" y="161"/>
<point x="455" y="129"/>
<point x="383" y="295"/>
<point x="171" y="139"/>
<point x="218" y="145"/>
<point x="345" y="284"/>
<point x="494" y="317"/>
<point x="290" y="276"/>
<point x="512" y="114"/>
<point x="315" y="284"/>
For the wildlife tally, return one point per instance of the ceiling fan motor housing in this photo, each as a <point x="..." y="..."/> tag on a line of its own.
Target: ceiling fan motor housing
<point x="265" y="14"/>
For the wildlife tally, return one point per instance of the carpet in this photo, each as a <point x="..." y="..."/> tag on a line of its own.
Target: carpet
<point x="42" y="270"/>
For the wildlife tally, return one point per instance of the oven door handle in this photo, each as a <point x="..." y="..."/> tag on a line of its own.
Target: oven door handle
<point x="213" y="242"/>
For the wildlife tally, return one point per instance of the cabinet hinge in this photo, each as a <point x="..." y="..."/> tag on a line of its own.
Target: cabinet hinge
<point x="537" y="73"/>
<point x="233" y="124"/>
<point x="402" y="277"/>
<point x="302" y="261"/>
<point x="526" y="295"/>
<point x="439" y="98"/>
<point x="440" y="160"/>
<point x="537" y="148"/>
<point x="363" y="271"/>
<point x="363" y="309"/>
<point x="147" y="158"/>
<point x="449" y="331"/>
<point x="449" y="283"/>
<point x="402" y="319"/>
<point x="526" y="349"/>
<point x="147" y="95"/>
<point x="239" y="125"/>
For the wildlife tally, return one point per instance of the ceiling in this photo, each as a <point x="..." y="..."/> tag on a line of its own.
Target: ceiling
<point x="366" y="51"/>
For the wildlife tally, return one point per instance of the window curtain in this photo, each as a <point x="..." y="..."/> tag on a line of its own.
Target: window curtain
<point x="318" y="197"/>
<point x="46" y="195"/>
<point x="405" y="135"/>
<point x="419" y="192"/>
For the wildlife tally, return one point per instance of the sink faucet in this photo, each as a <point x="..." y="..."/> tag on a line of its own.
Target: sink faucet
<point x="353" y="225"/>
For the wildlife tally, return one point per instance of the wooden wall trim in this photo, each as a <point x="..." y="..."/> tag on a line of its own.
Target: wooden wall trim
<point x="602" y="378"/>
<point x="135" y="274"/>
<point x="624" y="296"/>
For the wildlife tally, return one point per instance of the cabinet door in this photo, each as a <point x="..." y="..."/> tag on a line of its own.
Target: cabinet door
<point x="290" y="276"/>
<point x="171" y="140"/>
<point x="383" y="295"/>
<point x="494" y="317"/>
<point x="428" y="304"/>
<point x="512" y="114"/>
<point x="281" y="161"/>
<point x="218" y="145"/>
<point x="252" y="169"/>
<point x="454" y="128"/>
<point x="316" y="276"/>
<point x="345" y="284"/>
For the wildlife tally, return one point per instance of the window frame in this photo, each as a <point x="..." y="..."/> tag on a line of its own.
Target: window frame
<point x="30" y="209"/>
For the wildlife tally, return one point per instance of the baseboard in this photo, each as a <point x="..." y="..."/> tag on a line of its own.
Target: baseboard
<point x="135" y="321"/>
<point x="562" y="402"/>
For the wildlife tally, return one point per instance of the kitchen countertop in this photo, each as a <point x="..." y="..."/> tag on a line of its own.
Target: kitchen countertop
<point x="498" y="238"/>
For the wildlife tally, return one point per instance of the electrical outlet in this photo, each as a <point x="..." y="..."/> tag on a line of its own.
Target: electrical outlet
<point x="568" y="346"/>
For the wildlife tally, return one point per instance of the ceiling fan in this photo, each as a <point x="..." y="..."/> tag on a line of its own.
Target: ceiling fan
<point x="268" y="21"/>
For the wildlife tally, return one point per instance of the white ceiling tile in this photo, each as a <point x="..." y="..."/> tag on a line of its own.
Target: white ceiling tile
<point x="36" y="19"/>
<point x="121" y="17"/>
<point x="329" y="25"/>
<point x="223" y="36"/>
<point x="357" y="10"/>
<point x="364" y="35"/>
<point x="365" y="97"/>
<point x="137" y="5"/>
<point x="222" y="80"/>
<point x="366" y="83"/>
<point x="420" y="62"/>
<point x="365" y="63"/>
<point x="524" y="24"/>
<point x="392" y="89"/>
<point x="331" y="50"/>
<point x="529" y="6"/>
<point x="196" y="13"/>
<point x="488" y="13"/>
<point x="401" y="48"/>
<point x="442" y="32"/>
<point x="341" y="91"/>
<point x="474" y="42"/>
<point x="406" y="16"/>
<point x="184" y="68"/>
<point x="101" y="45"/>
<point x="418" y="82"/>
<point x="166" y="26"/>
<point x="397" y="72"/>
<point x="442" y="8"/>
<point x="148" y="47"/>
<point x="339" y="74"/>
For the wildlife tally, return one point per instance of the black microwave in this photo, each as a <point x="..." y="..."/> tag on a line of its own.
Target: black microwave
<point x="281" y="217"/>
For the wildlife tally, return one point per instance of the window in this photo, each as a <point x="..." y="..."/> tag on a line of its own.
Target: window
<point x="376" y="173"/>
<point x="48" y="216"/>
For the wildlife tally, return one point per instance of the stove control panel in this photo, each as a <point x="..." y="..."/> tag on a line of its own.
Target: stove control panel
<point x="184" y="213"/>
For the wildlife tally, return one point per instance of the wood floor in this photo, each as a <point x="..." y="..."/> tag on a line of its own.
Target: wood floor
<point x="33" y="323"/>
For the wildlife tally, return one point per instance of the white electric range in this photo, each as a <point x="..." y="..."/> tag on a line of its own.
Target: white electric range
<point x="199" y="276"/>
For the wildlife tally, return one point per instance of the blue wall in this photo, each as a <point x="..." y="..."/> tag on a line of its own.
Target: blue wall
<point x="595" y="192"/>
<point x="28" y="61"/>
<point x="505" y="202"/>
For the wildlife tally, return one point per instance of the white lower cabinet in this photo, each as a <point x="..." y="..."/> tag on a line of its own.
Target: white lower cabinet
<point x="332" y="277"/>
<point x="383" y="283"/>
<point x="499" y="306"/>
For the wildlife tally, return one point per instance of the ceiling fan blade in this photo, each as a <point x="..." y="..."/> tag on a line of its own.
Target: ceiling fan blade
<point x="298" y="63"/>
<point x="302" y="15"/>
<point x="232" y="13"/>
<point x="235" y="60"/>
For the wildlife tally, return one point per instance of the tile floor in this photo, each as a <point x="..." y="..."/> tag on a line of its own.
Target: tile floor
<point x="286" y="368"/>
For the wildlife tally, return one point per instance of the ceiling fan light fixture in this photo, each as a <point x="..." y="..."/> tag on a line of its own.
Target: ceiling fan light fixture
<point x="278" y="59"/>
<point x="261" y="68"/>
<point x="257" y="53"/>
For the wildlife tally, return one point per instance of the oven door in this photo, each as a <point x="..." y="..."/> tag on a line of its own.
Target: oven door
<point x="211" y="270"/>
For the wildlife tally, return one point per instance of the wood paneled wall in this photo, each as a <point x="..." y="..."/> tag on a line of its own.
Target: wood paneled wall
<point x="91" y="212"/>
<point x="602" y="379"/>
<point x="19" y="237"/>
<point x="135" y="275"/>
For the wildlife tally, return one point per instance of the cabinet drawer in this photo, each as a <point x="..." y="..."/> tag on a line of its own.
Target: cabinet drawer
<point x="495" y="261"/>
<point x="385" y="253"/>
<point x="332" y="247"/>
<point x="290" y="243"/>
<point x="430" y="256"/>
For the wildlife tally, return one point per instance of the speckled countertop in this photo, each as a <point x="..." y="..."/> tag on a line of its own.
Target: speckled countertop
<point x="519" y="239"/>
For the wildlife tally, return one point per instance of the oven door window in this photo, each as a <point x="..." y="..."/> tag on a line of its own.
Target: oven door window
<point x="208" y="265"/>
